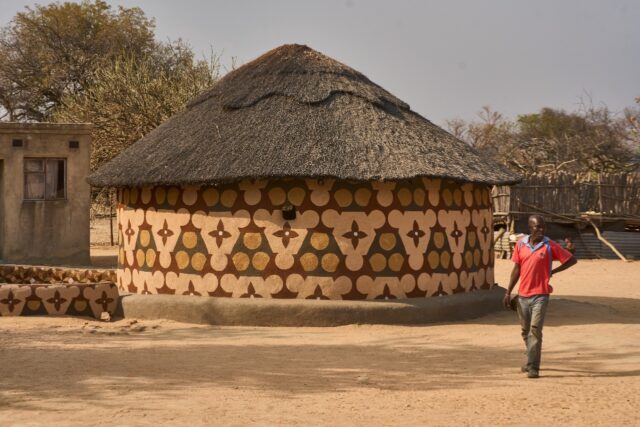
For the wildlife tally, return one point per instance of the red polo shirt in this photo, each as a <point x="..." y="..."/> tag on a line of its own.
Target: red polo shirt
<point x="535" y="265"/>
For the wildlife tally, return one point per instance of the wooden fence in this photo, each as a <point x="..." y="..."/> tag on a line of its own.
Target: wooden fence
<point x="610" y="195"/>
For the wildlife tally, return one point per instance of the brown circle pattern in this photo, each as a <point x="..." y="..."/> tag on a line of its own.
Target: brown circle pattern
<point x="377" y="240"/>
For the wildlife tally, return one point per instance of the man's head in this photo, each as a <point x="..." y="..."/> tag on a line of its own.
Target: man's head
<point x="536" y="227"/>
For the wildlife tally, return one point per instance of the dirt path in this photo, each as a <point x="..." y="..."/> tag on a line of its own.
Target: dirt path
<point x="63" y="371"/>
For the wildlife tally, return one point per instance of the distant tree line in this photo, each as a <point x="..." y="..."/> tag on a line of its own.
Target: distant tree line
<point x="86" y="62"/>
<point x="590" y="140"/>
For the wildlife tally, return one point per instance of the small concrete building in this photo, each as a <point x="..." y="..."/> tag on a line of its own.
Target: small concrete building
<point x="44" y="196"/>
<point x="295" y="176"/>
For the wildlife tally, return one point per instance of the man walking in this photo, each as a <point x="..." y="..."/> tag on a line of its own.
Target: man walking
<point x="533" y="257"/>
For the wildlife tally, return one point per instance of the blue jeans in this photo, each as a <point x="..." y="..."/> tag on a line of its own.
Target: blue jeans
<point x="531" y="311"/>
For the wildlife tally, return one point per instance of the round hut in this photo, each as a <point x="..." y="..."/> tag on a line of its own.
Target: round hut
<point x="295" y="176"/>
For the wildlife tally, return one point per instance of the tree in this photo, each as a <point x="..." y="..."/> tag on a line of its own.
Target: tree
<point x="131" y="96"/>
<point x="590" y="140"/>
<point x="49" y="53"/>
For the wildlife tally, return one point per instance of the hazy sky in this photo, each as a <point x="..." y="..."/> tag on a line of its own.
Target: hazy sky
<point x="446" y="59"/>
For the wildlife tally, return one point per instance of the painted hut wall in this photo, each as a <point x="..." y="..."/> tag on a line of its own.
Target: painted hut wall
<point x="377" y="240"/>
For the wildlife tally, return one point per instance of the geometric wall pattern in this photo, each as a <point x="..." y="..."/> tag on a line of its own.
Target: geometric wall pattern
<point x="350" y="240"/>
<point x="79" y="299"/>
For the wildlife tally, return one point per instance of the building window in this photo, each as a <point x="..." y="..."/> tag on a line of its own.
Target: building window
<point x="45" y="179"/>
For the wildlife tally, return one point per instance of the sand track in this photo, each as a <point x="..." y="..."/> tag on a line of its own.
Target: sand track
<point x="64" y="371"/>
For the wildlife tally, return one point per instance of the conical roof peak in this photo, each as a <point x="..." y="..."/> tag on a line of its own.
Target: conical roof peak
<point x="295" y="112"/>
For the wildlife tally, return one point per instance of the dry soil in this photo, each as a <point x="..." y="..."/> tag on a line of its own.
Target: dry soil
<point x="67" y="371"/>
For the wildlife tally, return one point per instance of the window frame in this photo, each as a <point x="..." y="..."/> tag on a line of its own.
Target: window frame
<point x="44" y="172"/>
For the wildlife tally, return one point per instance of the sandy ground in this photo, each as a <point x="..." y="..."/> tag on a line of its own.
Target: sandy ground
<point x="65" y="371"/>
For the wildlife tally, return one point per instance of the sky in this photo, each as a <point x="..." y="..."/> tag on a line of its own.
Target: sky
<point x="446" y="59"/>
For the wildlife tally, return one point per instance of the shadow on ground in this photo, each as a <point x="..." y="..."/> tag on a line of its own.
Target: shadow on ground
<point x="170" y="363"/>
<point x="568" y="310"/>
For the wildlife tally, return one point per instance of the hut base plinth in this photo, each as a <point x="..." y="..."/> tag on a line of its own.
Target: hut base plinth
<point x="292" y="312"/>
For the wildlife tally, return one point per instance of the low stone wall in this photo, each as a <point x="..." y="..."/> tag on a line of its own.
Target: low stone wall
<point x="27" y="274"/>
<point x="78" y="299"/>
<point x="34" y="290"/>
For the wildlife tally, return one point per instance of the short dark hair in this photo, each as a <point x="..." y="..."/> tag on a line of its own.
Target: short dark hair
<point x="538" y="217"/>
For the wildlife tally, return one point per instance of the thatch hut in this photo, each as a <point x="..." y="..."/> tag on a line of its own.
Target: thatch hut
<point x="295" y="176"/>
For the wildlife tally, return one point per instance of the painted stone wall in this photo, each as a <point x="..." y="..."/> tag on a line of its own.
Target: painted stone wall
<point x="78" y="299"/>
<point x="378" y="240"/>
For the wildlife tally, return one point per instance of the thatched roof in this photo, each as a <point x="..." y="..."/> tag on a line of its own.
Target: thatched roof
<point x="295" y="112"/>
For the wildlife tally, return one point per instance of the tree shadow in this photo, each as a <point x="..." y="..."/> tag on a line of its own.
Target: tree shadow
<point x="567" y="310"/>
<point x="168" y="363"/>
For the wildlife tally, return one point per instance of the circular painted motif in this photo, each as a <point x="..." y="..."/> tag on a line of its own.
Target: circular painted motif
<point x="468" y="258"/>
<point x="387" y="241"/>
<point x="198" y="260"/>
<point x="485" y="196"/>
<point x="309" y="262"/>
<point x="362" y="196"/>
<point x="182" y="259"/>
<point x="296" y="196"/>
<point x="145" y="195"/>
<point x="190" y="195"/>
<point x="241" y="261"/>
<point x="150" y="257"/>
<point x="189" y="239"/>
<point x="140" y="257"/>
<point x="260" y="260"/>
<point x="447" y="197"/>
<point x="133" y="195"/>
<point x="252" y="197"/>
<point x="160" y="195"/>
<point x="404" y="196"/>
<point x="476" y="257"/>
<point x="145" y="238"/>
<point x="457" y="197"/>
<point x="378" y="262"/>
<point x="395" y="262"/>
<point x="211" y="196"/>
<point x="80" y="305"/>
<point x="438" y="239"/>
<point x="477" y="195"/>
<point x="228" y="198"/>
<point x="343" y="197"/>
<point x="468" y="195"/>
<point x="277" y="196"/>
<point x="445" y="259"/>
<point x="172" y="196"/>
<point x="330" y="262"/>
<point x="319" y="241"/>
<point x="252" y="240"/>
<point x="471" y="238"/>
<point x="33" y="304"/>
<point x="433" y="259"/>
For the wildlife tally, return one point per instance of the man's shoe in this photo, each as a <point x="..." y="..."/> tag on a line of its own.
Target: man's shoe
<point x="532" y="373"/>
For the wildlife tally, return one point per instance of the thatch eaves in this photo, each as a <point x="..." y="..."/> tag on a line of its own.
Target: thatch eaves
<point x="295" y="112"/>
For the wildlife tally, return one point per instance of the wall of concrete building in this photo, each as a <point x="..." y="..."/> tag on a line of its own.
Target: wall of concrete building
<point x="44" y="231"/>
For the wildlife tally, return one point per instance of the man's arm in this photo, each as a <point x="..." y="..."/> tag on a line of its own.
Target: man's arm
<point x="515" y="276"/>
<point x="567" y="264"/>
